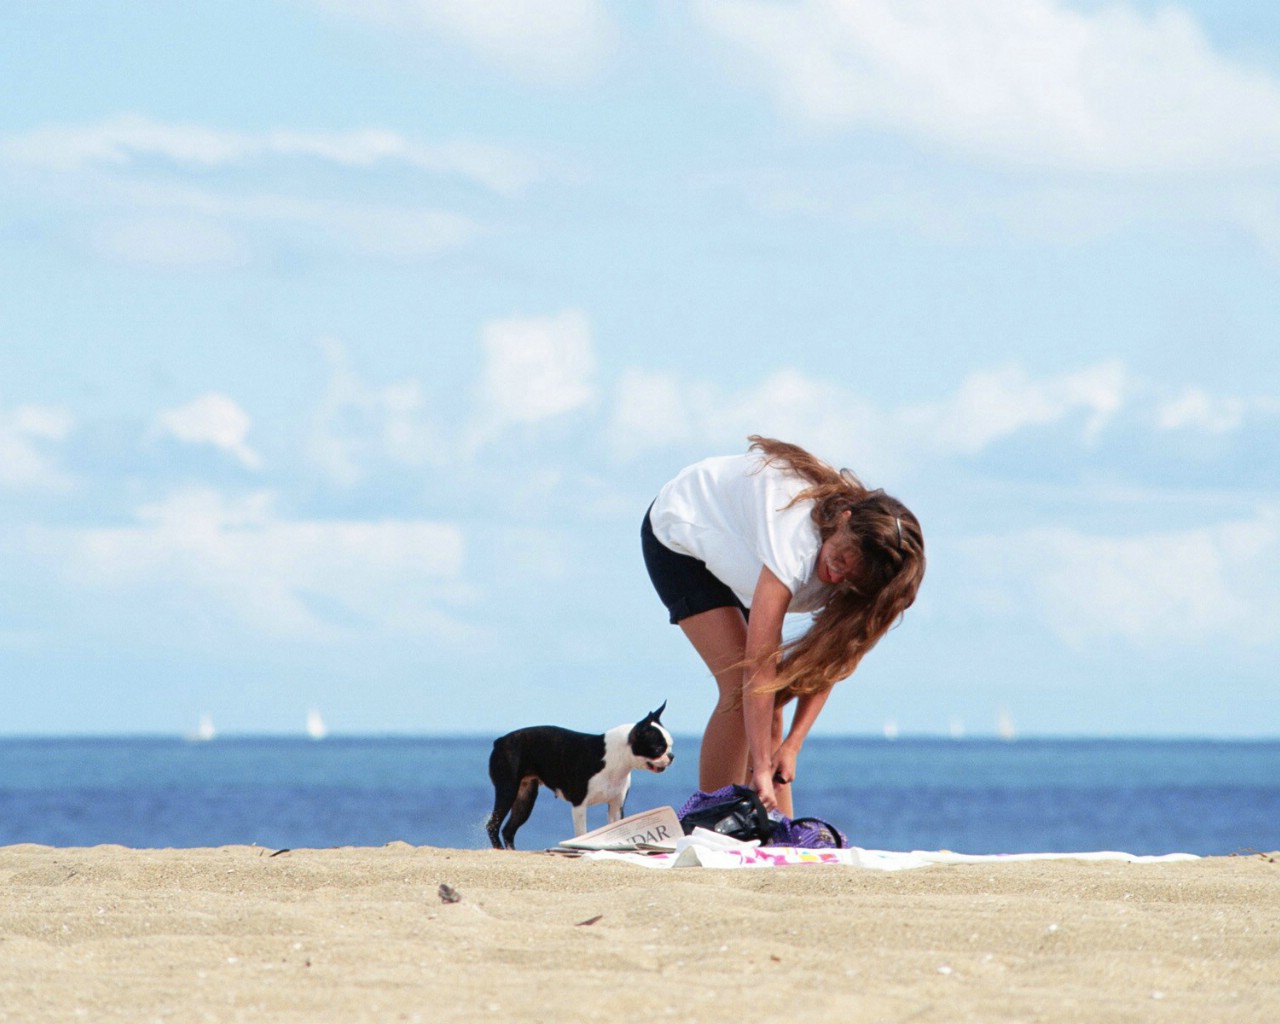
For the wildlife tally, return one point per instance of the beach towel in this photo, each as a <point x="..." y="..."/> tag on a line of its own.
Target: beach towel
<point x="707" y="849"/>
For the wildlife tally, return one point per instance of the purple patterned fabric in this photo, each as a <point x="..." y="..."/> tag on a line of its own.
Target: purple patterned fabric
<point x="810" y="833"/>
<point x="807" y="832"/>
<point x="700" y="800"/>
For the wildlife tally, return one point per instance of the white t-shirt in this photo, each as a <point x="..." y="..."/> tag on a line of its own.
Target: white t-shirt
<point x="730" y="512"/>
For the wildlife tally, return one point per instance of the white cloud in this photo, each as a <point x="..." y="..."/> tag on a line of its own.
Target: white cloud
<point x="536" y="368"/>
<point x="1256" y="210"/>
<point x="294" y="579"/>
<point x="358" y="425"/>
<point x="1056" y="209"/>
<point x="398" y="232"/>
<point x="171" y="242"/>
<point x="213" y="419"/>
<point x="993" y="404"/>
<point x="375" y="229"/>
<point x="1168" y="589"/>
<point x="157" y="220"/>
<point x="1012" y="81"/>
<point x="652" y="410"/>
<point x="655" y="410"/>
<point x="546" y="42"/>
<point x="26" y="432"/>
<point x="128" y="140"/>
<point x="1196" y="409"/>
<point x="152" y="218"/>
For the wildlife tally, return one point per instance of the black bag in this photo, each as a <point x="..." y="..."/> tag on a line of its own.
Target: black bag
<point x="732" y="811"/>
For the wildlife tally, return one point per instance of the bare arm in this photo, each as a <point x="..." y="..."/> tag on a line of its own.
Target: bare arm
<point x="769" y="606"/>
<point x="808" y="706"/>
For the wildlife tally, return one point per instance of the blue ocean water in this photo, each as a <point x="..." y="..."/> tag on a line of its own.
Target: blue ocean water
<point x="971" y="796"/>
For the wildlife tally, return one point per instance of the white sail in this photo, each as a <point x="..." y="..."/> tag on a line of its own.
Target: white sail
<point x="316" y="728"/>
<point x="891" y="729"/>
<point x="204" y="730"/>
<point x="1004" y="725"/>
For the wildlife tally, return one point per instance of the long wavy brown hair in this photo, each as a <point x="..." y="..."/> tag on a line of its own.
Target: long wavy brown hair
<point x="890" y="543"/>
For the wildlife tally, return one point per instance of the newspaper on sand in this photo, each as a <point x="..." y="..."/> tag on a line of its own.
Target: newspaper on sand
<point x="654" y="831"/>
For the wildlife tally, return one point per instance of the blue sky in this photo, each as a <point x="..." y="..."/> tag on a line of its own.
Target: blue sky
<point x="343" y="345"/>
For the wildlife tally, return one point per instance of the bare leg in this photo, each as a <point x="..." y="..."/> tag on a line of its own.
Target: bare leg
<point x="720" y="638"/>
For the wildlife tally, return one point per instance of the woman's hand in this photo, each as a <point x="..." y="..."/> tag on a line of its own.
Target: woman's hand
<point x="784" y="765"/>
<point x="762" y="783"/>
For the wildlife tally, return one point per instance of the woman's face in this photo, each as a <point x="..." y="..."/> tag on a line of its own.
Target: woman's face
<point x="838" y="559"/>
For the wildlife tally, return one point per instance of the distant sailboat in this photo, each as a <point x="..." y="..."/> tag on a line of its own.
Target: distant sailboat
<point x="316" y="728"/>
<point x="204" y="730"/>
<point x="891" y="729"/>
<point x="1004" y="726"/>
<point x="956" y="728"/>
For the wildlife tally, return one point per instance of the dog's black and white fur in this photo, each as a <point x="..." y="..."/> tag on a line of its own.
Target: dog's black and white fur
<point x="582" y="768"/>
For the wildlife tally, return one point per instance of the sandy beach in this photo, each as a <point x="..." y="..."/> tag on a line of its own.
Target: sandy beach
<point x="249" y="934"/>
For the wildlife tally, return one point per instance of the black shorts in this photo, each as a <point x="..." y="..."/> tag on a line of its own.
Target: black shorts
<point x="685" y="584"/>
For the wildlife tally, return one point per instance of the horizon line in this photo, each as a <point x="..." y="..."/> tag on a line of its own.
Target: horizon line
<point x="870" y="735"/>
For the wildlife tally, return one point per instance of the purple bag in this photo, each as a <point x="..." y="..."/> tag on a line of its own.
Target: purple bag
<point x="736" y="811"/>
<point x="813" y="833"/>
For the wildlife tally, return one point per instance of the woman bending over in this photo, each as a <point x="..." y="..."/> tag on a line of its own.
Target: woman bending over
<point x="732" y="545"/>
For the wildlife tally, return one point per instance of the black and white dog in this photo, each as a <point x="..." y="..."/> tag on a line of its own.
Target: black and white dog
<point x="580" y="767"/>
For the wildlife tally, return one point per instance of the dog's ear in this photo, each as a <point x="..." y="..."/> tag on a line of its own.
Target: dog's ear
<point x="653" y="716"/>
